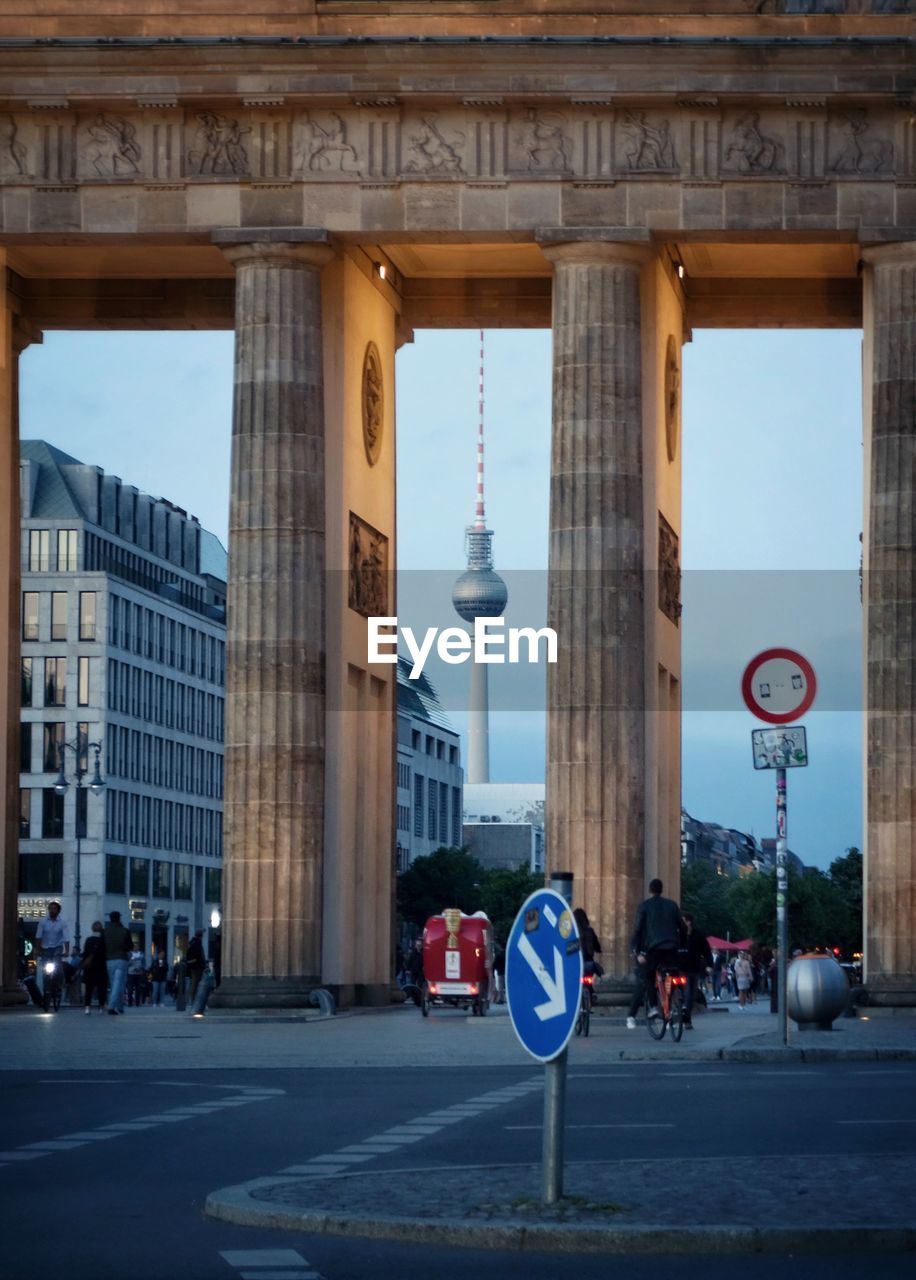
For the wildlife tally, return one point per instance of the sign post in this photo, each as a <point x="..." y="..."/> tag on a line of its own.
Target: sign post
<point x="779" y="685"/>
<point x="543" y="989"/>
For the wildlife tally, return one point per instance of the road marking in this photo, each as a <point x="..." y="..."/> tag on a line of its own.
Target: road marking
<point x="313" y="1171"/>
<point x="374" y="1148"/>
<point x="539" y="1127"/>
<point x="55" y="1144"/>
<point x="704" y="1075"/>
<point x="339" y="1158"/>
<point x="269" y="1264"/>
<point x="602" y="1075"/>
<point x="69" y="1141"/>
<point x="895" y="1121"/>
<point x="783" y="1072"/>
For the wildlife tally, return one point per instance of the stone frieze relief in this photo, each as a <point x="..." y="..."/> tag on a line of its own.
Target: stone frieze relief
<point x="805" y="140"/>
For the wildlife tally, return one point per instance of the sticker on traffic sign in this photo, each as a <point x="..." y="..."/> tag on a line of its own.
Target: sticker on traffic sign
<point x="544" y="974"/>
<point x="778" y="685"/>
<point x="780" y="748"/>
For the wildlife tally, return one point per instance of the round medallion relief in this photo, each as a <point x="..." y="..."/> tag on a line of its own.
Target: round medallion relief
<point x="672" y="397"/>
<point x="373" y="403"/>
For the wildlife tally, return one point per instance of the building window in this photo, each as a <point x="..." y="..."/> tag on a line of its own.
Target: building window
<point x="162" y="879"/>
<point x="430" y="745"/>
<point x="41" y="873"/>
<point x="25" y="814"/>
<point x="433" y="807"/>
<point x="418" y="805"/>
<point x="115" y="873"/>
<point x="54" y="734"/>
<point x="39" y="550"/>
<point x="87" y="615"/>
<point x="453" y="755"/>
<point x="82" y="682"/>
<point x="25" y="748"/>
<point x="457" y="833"/>
<point x="440" y="750"/>
<point x="30" y="615"/>
<point x="443" y="812"/>
<point x="52" y="814"/>
<point x="139" y="877"/>
<point x="66" y="551"/>
<point x="25" y="682"/>
<point x="403" y="817"/>
<point x="213" y="884"/>
<point x="183" y="881"/>
<point x="58" y="615"/>
<point x="55" y="682"/>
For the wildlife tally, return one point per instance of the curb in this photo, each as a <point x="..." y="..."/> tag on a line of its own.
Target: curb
<point x="234" y="1204"/>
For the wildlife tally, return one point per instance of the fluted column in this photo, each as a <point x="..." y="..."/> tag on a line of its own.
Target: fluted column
<point x="890" y="605"/>
<point x="275" y="696"/>
<point x="596" y="691"/>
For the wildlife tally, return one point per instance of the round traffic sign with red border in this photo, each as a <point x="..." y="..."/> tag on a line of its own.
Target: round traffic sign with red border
<point x="778" y="685"/>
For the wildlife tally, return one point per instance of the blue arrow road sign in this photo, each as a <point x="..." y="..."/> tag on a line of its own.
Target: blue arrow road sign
<point x="544" y="974"/>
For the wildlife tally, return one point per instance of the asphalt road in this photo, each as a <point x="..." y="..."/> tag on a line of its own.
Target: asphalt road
<point x="105" y="1173"/>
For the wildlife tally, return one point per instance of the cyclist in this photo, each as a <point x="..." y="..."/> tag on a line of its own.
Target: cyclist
<point x="591" y="947"/>
<point x="655" y="942"/>
<point x="53" y="937"/>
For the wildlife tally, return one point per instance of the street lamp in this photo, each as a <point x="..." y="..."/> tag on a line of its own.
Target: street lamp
<point x="96" y="786"/>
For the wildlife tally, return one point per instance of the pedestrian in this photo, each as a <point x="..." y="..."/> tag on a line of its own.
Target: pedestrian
<point x="655" y="941"/>
<point x="136" y="978"/>
<point x="696" y="959"/>
<point x="159" y="976"/>
<point x="118" y="946"/>
<point x="743" y="978"/>
<point x="589" y="944"/>
<point x="718" y="964"/>
<point x="94" y="969"/>
<point x="195" y="962"/>
<point x="499" y="974"/>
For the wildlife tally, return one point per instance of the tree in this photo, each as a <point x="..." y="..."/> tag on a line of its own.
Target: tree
<point x="446" y="878"/>
<point x="846" y="874"/>
<point x="706" y="896"/>
<point x="502" y="893"/>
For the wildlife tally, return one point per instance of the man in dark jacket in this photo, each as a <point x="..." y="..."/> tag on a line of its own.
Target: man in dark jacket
<point x="195" y="962"/>
<point x="118" y="946"/>
<point x="655" y="941"/>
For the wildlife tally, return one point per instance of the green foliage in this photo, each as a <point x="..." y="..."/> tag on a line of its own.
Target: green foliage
<point x="446" y="878"/>
<point x="825" y="910"/>
<point x="706" y="896"/>
<point x="502" y="893"/>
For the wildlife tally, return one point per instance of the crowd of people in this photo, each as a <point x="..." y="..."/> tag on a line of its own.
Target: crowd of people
<point x="112" y="970"/>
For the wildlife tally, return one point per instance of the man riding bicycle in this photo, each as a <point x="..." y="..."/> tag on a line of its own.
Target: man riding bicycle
<point x="655" y="942"/>
<point x="53" y="937"/>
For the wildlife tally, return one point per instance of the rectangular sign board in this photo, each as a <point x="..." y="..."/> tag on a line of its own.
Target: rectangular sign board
<point x="781" y="748"/>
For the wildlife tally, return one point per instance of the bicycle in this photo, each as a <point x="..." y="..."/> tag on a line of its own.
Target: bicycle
<point x="670" y="986"/>
<point x="586" y="1001"/>
<point x="53" y="980"/>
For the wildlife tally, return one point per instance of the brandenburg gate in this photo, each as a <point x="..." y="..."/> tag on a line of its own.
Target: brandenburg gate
<point x="326" y="176"/>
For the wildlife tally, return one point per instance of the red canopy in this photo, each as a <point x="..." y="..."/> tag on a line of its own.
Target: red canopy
<point x="719" y="944"/>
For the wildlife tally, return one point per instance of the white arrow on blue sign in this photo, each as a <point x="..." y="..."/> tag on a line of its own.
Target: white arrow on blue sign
<point x="544" y="974"/>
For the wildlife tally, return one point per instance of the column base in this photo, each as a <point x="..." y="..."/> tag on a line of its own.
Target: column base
<point x="890" y="996"/>
<point x="265" y="993"/>
<point x="617" y="992"/>
<point x="366" y="995"/>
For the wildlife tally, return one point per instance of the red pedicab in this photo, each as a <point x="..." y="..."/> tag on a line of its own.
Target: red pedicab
<point x="457" y="961"/>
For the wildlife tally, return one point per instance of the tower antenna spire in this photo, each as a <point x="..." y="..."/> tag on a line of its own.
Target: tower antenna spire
<point x="479" y="593"/>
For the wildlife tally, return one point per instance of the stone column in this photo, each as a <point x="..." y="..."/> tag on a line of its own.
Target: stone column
<point x="890" y="624"/>
<point x="15" y="336"/>
<point x="596" y="693"/>
<point x="275" y="678"/>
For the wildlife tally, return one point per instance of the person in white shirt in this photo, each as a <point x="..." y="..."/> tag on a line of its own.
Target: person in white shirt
<point x="53" y="932"/>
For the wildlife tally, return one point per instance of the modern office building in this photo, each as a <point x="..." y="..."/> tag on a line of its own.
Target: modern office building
<point x="430" y="777"/>
<point x="504" y="824"/>
<point x="123" y="666"/>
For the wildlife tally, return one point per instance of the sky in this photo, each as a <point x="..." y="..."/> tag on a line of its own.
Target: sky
<point x="772" y="511"/>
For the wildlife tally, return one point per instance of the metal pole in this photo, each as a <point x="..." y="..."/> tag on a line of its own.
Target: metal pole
<point x="555" y="1089"/>
<point x="782" y="902"/>
<point x="79" y="864"/>
<point x="554" y="1121"/>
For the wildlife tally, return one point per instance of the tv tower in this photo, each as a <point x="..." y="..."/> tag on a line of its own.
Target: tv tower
<point x="479" y="593"/>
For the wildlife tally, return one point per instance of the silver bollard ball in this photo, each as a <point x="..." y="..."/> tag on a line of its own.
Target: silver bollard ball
<point x="817" y="990"/>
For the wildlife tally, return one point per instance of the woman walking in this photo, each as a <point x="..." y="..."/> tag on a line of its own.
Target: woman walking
<point x="743" y="977"/>
<point x="95" y="971"/>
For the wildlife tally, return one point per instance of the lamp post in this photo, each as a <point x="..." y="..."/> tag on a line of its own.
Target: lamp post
<point x="96" y="785"/>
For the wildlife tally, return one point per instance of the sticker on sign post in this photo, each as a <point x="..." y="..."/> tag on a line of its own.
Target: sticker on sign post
<point x="778" y="685"/>
<point x="780" y="748"/>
